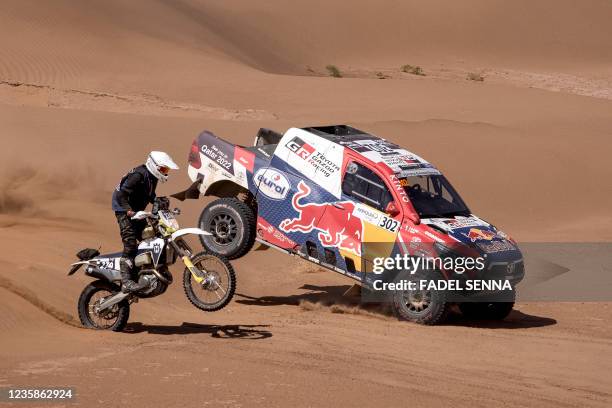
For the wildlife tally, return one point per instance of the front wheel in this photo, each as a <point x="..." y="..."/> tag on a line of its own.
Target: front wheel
<point x="115" y="318"/>
<point x="216" y="286"/>
<point x="422" y="306"/>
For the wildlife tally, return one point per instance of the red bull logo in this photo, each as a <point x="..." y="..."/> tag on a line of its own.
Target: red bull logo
<point x="477" y="234"/>
<point x="337" y="225"/>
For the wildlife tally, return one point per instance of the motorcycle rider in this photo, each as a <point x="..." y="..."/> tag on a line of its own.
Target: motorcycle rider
<point x="133" y="193"/>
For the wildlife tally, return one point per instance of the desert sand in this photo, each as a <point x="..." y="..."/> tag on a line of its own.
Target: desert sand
<point x="88" y="88"/>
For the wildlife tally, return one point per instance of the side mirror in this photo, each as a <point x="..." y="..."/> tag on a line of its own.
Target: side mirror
<point x="176" y="211"/>
<point x="392" y="209"/>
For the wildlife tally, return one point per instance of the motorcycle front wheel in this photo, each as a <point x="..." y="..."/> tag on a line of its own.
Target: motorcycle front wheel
<point x="115" y="318"/>
<point x="217" y="286"/>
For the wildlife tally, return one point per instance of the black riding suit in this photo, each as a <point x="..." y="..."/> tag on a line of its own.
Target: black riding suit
<point x="134" y="192"/>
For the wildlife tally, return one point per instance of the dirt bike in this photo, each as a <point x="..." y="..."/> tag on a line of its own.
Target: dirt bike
<point x="209" y="280"/>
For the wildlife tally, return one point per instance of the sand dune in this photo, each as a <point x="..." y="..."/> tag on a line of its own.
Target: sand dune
<point x="88" y="87"/>
<point x="156" y="46"/>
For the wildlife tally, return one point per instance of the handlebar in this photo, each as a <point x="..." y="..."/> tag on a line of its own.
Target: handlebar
<point x="141" y="215"/>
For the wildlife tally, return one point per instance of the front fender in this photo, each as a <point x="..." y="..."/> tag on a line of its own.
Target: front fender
<point x="187" y="231"/>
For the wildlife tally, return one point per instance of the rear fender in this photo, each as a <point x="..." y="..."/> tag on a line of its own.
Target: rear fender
<point x="95" y="271"/>
<point x="75" y="266"/>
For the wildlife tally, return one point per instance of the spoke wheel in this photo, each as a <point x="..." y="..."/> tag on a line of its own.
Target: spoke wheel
<point x="115" y="318"/>
<point x="218" y="283"/>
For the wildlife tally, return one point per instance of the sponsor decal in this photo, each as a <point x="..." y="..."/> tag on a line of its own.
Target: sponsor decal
<point x="398" y="185"/>
<point x="451" y="224"/>
<point x="323" y="165"/>
<point x="272" y="183"/>
<point x="300" y="147"/>
<point x="477" y="234"/>
<point x="376" y="218"/>
<point x="212" y="168"/>
<point x="218" y="156"/>
<point x="267" y="232"/>
<point x="465" y="222"/>
<point x="337" y="227"/>
<point x="420" y="171"/>
<point x="317" y="160"/>
<point x="374" y="145"/>
<point x="414" y="243"/>
<point x="410" y="229"/>
<point x="401" y="162"/>
<point x="244" y="157"/>
<point x="433" y="236"/>
<point x="367" y="214"/>
<point x="496" y="246"/>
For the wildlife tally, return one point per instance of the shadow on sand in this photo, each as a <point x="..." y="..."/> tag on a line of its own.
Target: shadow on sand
<point x="333" y="295"/>
<point x="317" y="294"/>
<point x="248" y="332"/>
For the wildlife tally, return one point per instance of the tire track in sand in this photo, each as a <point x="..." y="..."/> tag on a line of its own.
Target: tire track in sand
<point x="35" y="301"/>
<point x="31" y="94"/>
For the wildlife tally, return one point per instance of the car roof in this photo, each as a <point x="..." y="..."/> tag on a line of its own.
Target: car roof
<point x="401" y="161"/>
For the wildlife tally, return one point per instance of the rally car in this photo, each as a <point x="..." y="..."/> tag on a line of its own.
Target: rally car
<point x="340" y="197"/>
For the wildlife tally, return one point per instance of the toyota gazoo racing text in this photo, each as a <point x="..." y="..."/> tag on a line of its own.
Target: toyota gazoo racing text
<point x="342" y="198"/>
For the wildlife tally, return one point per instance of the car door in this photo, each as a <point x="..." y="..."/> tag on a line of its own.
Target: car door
<point x="365" y="230"/>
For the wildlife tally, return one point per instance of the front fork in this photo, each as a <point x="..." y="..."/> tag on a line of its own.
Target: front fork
<point x="182" y="248"/>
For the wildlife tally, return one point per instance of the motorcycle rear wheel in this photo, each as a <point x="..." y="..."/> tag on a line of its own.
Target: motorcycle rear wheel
<point x="114" y="319"/>
<point x="215" y="292"/>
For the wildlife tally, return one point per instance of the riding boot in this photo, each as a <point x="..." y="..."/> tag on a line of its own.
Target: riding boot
<point x="127" y="284"/>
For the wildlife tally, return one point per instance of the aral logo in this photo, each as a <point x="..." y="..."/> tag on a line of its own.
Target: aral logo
<point x="272" y="183"/>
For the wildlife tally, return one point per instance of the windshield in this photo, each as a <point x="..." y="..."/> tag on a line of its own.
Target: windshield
<point x="433" y="196"/>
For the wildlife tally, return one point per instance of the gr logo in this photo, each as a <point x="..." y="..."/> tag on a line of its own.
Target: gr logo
<point x="300" y="147"/>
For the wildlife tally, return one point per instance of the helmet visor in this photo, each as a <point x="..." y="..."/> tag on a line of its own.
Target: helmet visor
<point x="164" y="170"/>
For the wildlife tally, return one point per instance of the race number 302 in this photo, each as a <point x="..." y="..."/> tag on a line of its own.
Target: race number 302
<point x="388" y="223"/>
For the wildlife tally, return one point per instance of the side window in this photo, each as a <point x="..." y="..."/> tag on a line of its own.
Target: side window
<point x="365" y="186"/>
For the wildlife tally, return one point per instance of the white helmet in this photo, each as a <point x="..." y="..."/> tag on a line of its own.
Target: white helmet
<point x="160" y="164"/>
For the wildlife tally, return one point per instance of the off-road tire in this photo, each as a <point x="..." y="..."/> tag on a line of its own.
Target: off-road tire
<point x="435" y="313"/>
<point x="486" y="311"/>
<point x="193" y="298"/>
<point x="88" y="292"/>
<point x="221" y="212"/>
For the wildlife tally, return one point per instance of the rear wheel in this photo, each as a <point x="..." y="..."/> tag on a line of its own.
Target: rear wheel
<point x="232" y="225"/>
<point x="217" y="286"/>
<point x="115" y="318"/>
